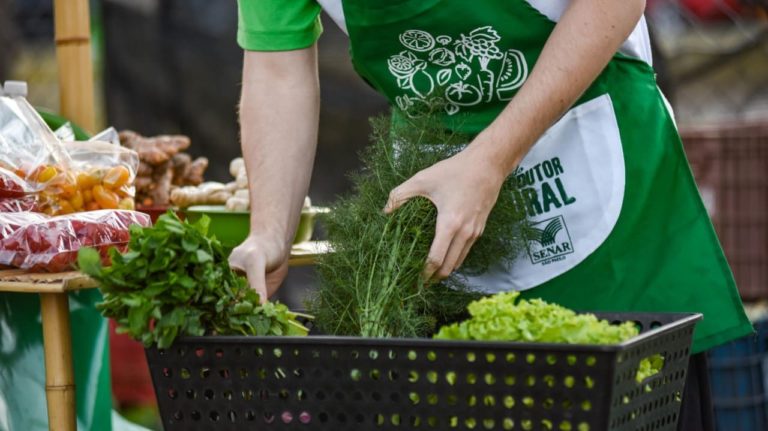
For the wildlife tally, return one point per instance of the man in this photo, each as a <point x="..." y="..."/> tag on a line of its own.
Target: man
<point x="560" y="94"/>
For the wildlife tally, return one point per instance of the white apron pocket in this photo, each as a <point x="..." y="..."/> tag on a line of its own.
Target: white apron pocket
<point x="572" y="186"/>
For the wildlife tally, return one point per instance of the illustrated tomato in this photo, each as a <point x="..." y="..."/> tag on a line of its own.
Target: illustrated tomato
<point x="463" y="94"/>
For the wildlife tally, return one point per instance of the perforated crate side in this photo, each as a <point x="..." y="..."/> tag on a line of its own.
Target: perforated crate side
<point x="336" y="383"/>
<point x="654" y="404"/>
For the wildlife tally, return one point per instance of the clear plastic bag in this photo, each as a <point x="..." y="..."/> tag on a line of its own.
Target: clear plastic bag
<point x="101" y="176"/>
<point x="50" y="244"/>
<point x="107" y="135"/>
<point x="30" y="154"/>
<point x="11" y="222"/>
<point x="21" y="204"/>
<point x="65" y="133"/>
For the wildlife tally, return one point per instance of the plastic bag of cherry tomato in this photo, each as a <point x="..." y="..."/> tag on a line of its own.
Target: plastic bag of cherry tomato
<point x="39" y="243"/>
<point x="28" y="147"/>
<point x="100" y="176"/>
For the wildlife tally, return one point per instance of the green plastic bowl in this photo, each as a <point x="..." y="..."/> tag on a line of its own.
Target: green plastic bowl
<point x="232" y="227"/>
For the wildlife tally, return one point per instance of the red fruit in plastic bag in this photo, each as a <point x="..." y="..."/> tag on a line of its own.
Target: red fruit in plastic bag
<point x="11" y="186"/>
<point x="51" y="244"/>
<point x="17" y="205"/>
<point x="11" y="222"/>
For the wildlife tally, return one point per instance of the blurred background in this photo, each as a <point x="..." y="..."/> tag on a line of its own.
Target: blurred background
<point x="172" y="66"/>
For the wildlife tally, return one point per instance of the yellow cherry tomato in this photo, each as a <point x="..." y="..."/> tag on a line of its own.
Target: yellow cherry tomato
<point x="105" y="198"/>
<point x="126" y="204"/>
<point x="65" y="208"/>
<point x="77" y="201"/>
<point x="46" y="174"/>
<point x="86" y="181"/>
<point x="67" y="190"/>
<point x="117" y="177"/>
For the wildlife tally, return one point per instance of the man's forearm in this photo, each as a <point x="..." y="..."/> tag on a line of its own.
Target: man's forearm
<point x="279" y="113"/>
<point x="586" y="38"/>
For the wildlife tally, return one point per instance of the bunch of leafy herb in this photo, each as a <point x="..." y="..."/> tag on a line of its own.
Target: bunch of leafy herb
<point x="174" y="280"/>
<point x="371" y="285"/>
<point x="503" y="317"/>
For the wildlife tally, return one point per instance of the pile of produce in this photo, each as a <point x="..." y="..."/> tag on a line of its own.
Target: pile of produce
<point x="503" y="317"/>
<point x="40" y="173"/>
<point x="233" y="194"/>
<point x="371" y="285"/>
<point x="163" y="166"/>
<point x="174" y="280"/>
<point x="99" y="176"/>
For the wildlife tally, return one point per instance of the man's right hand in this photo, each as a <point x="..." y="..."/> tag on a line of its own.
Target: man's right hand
<point x="279" y="112"/>
<point x="264" y="261"/>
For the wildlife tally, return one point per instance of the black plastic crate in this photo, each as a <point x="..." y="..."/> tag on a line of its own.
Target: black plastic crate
<point x="739" y="378"/>
<point x="338" y="383"/>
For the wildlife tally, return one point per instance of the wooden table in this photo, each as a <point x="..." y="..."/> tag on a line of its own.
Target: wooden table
<point x="57" y="337"/>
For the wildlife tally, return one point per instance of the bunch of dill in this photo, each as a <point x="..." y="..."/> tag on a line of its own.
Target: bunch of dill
<point x="371" y="285"/>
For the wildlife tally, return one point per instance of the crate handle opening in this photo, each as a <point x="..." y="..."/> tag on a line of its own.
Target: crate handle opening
<point x="649" y="367"/>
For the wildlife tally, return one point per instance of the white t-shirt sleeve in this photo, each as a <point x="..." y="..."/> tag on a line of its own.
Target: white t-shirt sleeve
<point x="638" y="44"/>
<point x="335" y="10"/>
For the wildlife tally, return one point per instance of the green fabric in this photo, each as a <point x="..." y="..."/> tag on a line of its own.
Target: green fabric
<point x="662" y="254"/>
<point x="22" y="363"/>
<point x="278" y="25"/>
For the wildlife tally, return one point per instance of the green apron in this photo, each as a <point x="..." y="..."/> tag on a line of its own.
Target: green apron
<point x="619" y="221"/>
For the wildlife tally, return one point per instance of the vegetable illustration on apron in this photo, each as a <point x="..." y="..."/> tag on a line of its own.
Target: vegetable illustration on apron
<point x="499" y="74"/>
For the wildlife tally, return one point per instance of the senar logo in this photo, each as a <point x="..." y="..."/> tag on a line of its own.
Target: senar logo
<point x="550" y="241"/>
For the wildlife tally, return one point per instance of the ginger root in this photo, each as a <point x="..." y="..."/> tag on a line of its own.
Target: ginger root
<point x="238" y="204"/>
<point x="163" y="165"/>
<point x="210" y="193"/>
<point x="236" y="166"/>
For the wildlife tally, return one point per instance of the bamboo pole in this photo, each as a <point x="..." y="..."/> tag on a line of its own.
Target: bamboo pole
<point x="73" y="54"/>
<point x="59" y="375"/>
